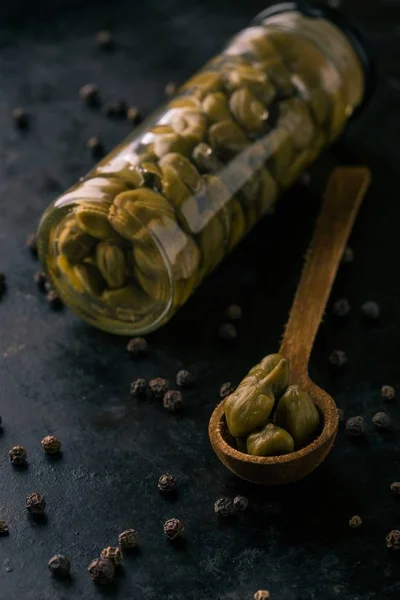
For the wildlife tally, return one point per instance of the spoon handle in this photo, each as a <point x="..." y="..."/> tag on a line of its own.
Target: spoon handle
<point x="342" y="199"/>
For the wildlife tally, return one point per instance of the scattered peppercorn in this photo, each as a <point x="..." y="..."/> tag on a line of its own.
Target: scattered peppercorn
<point x="224" y="507"/>
<point x="388" y="392"/>
<point x="40" y="279"/>
<point x="355" y="522"/>
<point x="395" y="488"/>
<point x="184" y="378"/>
<point x="128" y="539"/>
<point x="89" y="93"/>
<point x="167" y="483"/>
<point x="226" y="389"/>
<point x="95" y="145"/>
<point x="105" y="40"/>
<point x="240" y="503"/>
<point x="2" y="284"/>
<point x="35" y="503"/>
<point x="59" y="566"/>
<point x="138" y="347"/>
<point x="18" y="455"/>
<point x="227" y="332"/>
<point x="170" y="89"/>
<point x="371" y="310"/>
<point x="234" y="312"/>
<point x="393" y="540"/>
<point x="158" y="387"/>
<point x="133" y="115"/>
<point x="54" y="300"/>
<point x="21" y="118"/>
<point x="261" y="595"/>
<point x="101" y="570"/>
<point x="381" y="420"/>
<point x="173" y="529"/>
<point x="355" y="427"/>
<point x="31" y="244"/>
<point x="51" y="445"/>
<point x="341" y="307"/>
<point x="116" y="110"/>
<point x="338" y="358"/>
<point x="3" y="528"/>
<point x="139" y="387"/>
<point x="112" y="553"/>
<point x="348" y="255"/>
<point x="173" y="400"/>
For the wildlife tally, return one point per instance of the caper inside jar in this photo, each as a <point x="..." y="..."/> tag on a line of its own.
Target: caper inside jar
<point x="268" y="418"/>
<point x="130" y="242"/>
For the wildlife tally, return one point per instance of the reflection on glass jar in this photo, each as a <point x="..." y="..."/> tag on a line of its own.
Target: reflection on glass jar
<point x="129" y="243"/>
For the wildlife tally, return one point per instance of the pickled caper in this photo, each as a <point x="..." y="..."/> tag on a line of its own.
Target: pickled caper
<point x="297" y="413"/>
<point x="270" y="441"/>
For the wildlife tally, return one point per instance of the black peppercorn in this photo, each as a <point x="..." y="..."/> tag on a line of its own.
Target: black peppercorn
<point x="173" y="400"/>
<point x="226" y="389"/>
<point x="133" y="115"/>
<point x="388" y="392"/>
<point x="224" y="507"/>
<point x="112" y="553"/>
<point x="95" y="145"/>
<point x="170" y="89"/>
<point x="184" y="378"/>
<point x="381" y="420"/>
<point x="101" y="570"/>
<point x="227" y="332"/>
<point x="20" y="117"/>
<point x="137" y="346"/>
<point x="261" y="595"/>
<point x="167" y="483"/>
<point x="35" y="503"/>
<point x="128" y="539"/>
<point x="2" y="284"/>
<point x="105" y="40"/>
<point x="40" y="279"/>
<point x="233" y="312"/>
<point x="89" y="93"/>
<point x="158" y="387"/>
<point x="348" y="255"/>
<point x="395" y="488"/>
<point x="341" y="307"/>
<point x="54" y="300"/>
<point x="31" y="244"/>
<point x="240" y="503"/>
<point x="338" y="358"/>
<point x="355" y="427"/>
<point x="173" y="529"/>
<point x="60" y="566"/>
<point x="355" y="522"/>
<point x="139" y="387"/>
<point x="51" y="445"/>
<point x="18" y="455"/>
<point x="116" y="110"/>
<point x="393" y="540"/>
<point x="3" y="528"/>
<point x="371" y="310"/>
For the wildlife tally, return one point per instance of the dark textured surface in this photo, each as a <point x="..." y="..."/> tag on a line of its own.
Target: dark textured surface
<point x="58" y="376"/>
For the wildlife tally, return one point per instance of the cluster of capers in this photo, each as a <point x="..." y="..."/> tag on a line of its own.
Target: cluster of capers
<point x="268" y="418"/>
<point x="187" y="188"/>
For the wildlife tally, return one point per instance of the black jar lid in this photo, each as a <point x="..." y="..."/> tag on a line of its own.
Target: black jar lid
<point x="324" y="11"/>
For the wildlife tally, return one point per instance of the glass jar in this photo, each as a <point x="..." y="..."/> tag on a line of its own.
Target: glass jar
<point x="129" y="243"/>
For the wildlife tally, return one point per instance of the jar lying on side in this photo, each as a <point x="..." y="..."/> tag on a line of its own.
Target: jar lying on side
<point x="128" y="244"/>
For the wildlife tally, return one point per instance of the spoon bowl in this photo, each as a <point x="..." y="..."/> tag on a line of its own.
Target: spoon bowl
<point x="342" y="199"/>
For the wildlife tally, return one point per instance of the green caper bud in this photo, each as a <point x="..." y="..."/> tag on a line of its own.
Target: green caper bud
<point x="185" y="102"/>
<point x="190" y="124"/>
<point x="90" y="278"/>
<point x="151" y="175"/>
<point x="186" y="171"/>
<point x="276" y="373"/>
<point x="110" y="261"/>
<point x="216" y="107"/>
<point x="227" y="138"/>
<point x="92" y="217"/>
<point x="74" y="243"/>
<point x="203" y="83"/>
<point x="255" y="80"/>
<point x="143" y="204"/>
<point x="280" y="76"/>
<point x="172" y="142"/>
<point x="249" y="112"/>
<point x="128" y="298"/>
<point x="248" y="408"/>
<point x="270" y="441"/>
<point x="205" y="159"/>
<point x="297" y="413"/>
<point x="120" y="169"/>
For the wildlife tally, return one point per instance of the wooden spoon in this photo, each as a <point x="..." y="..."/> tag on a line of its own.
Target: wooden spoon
<point x="342" y="199"/>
